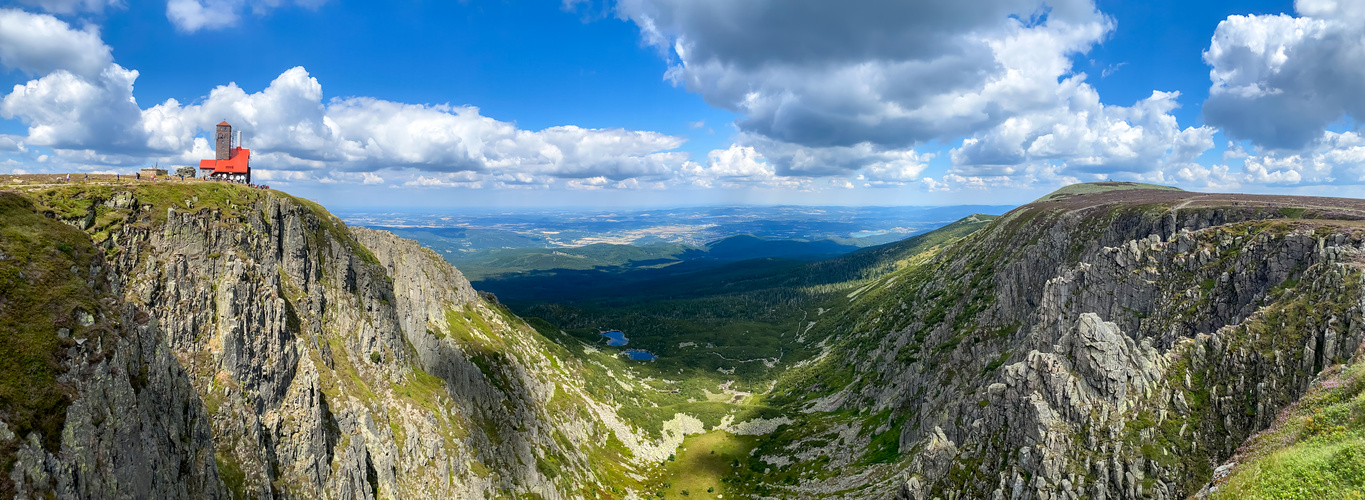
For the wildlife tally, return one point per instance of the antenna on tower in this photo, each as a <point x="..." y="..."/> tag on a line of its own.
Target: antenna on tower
<point x="239" y="138"/>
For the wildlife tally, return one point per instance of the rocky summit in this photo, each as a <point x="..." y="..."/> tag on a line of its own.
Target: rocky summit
<point x="1109" y="341"/>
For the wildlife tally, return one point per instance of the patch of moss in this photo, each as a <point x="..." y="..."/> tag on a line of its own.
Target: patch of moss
<point x="230" y="471"/>
<point x="885" y="447"/>
<point x="996" y="363"/>
<point x="1293" y="213"/>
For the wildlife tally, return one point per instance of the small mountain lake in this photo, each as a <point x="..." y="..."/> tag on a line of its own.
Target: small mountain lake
<point x="615" y="338"/>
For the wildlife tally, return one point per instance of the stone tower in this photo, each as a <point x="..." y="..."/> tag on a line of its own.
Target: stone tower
<point x="224" y="144"/>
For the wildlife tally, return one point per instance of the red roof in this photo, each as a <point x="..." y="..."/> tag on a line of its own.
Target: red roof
<point x="224" y="124"/>
<point x="239" y="162"/>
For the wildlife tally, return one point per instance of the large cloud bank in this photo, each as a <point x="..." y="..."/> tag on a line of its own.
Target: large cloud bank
<point x="829" y="88"/>
<point x="1293" y="86"/>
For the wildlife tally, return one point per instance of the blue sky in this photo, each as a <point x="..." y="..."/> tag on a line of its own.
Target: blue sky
<point x="673" y="102"/>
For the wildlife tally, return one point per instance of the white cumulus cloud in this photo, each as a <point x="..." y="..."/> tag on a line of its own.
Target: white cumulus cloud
<point x="1281" y="81"/>
<point x="1336" y="158"/>
<point x="894" y="74"/>
<point x="1081" y="136"/>
<point x="38" y="44"/>
<point x="67" y="111"/>
<point x="291" y="119"/>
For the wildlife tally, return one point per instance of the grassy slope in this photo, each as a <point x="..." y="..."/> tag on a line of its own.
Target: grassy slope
<point x="1316" y="449"/>
<point x="73" y="201"/>
<point x="704" y="465"/>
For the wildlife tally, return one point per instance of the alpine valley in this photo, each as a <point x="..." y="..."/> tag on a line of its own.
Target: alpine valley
<point x="1109" y="341"/>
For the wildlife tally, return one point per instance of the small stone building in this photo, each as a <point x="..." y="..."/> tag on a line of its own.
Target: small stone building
<point x="230" y="163"/>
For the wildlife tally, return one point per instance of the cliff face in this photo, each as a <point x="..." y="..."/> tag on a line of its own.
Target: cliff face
<point x="336" y="362"/>
<point x="94" y="403"/>
<point x="1102" y="346"/>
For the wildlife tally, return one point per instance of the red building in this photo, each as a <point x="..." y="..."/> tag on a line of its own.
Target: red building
<point x="232" y="164"/>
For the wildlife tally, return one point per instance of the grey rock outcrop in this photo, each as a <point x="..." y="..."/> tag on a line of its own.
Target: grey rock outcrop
<point x="136" y="430"/>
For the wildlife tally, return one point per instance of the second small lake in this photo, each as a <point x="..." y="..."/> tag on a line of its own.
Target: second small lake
<point x="638" y="355"/>
<point x="615" y="338"/>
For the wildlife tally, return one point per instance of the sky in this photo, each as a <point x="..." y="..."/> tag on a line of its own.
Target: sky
<point x="602" y="103"/>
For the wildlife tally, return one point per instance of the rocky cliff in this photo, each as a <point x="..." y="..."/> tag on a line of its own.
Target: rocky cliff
<point x="1111" y="345"/>
<point x="314" y="360"/>
<point x="93" y="404"/>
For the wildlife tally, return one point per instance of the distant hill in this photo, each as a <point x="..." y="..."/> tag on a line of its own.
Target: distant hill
<point x="1102" y="187"/>
<point x="466" y="239"/>
<point x="748" y="246"/>
<point x="505" y="262"/>
<point x="597" y="256"/>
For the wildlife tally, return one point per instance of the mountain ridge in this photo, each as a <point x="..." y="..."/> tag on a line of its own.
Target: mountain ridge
<point x="1103" y="344"/>
<point x="319" y="377"/>
<point x="1059" y="266"/>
